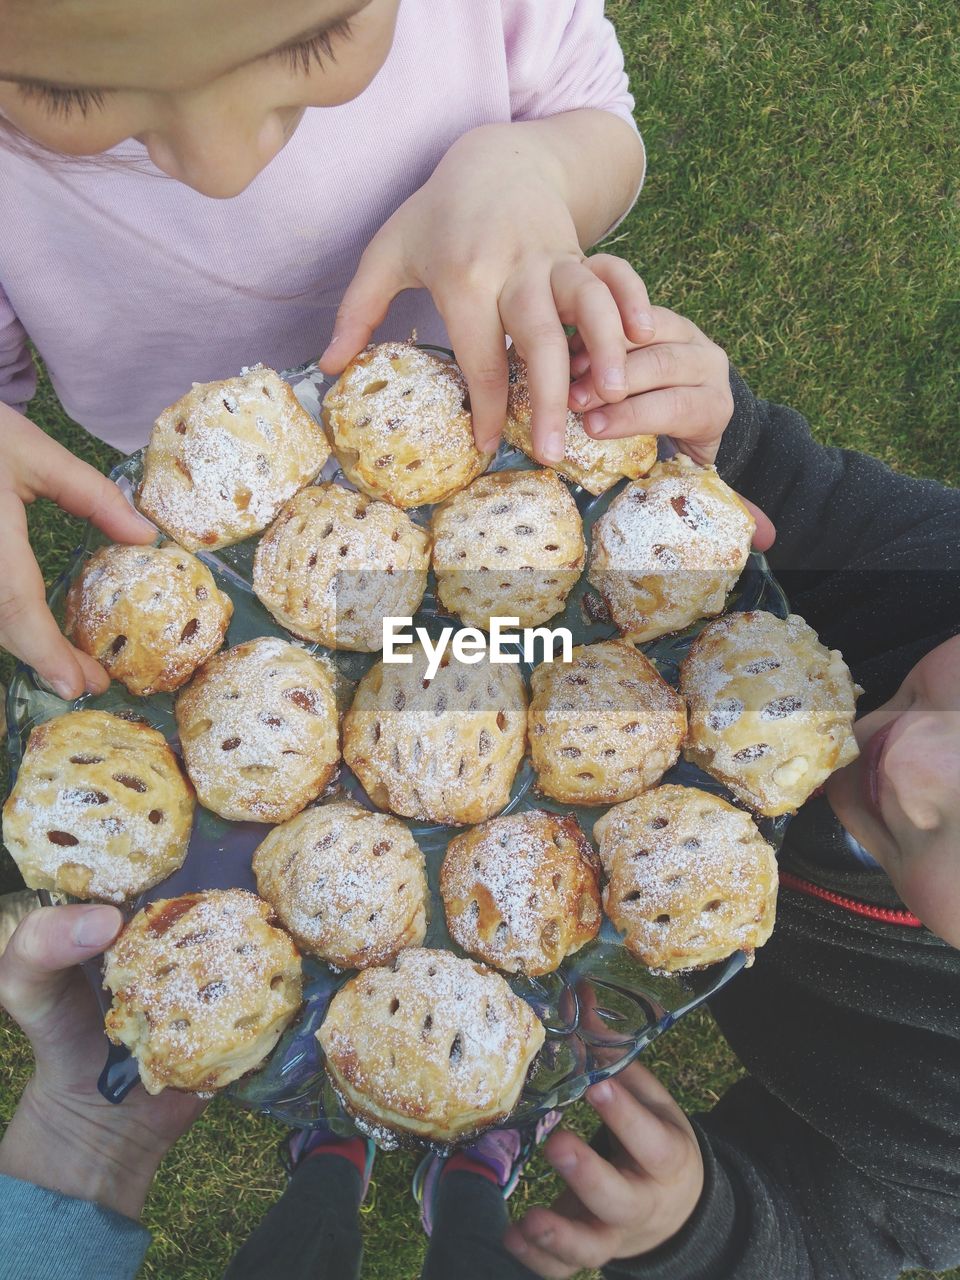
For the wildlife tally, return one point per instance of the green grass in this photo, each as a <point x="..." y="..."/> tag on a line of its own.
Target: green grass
<point x="802" y="207"/>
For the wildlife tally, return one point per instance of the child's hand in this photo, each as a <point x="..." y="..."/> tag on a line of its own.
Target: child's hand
<point x="64" y="1134"/>
<point x="493" y="239"/>
<point x="679" y="386"/>
<point x="34" y="466"/>
<point x="623" y="1206"/>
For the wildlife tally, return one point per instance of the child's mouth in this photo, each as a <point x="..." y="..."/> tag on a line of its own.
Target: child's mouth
<point x="870" y="759"/>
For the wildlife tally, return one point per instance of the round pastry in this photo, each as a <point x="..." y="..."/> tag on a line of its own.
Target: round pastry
<point x="334" y="564"/>
<point x="399" y="422"/>
<point x="604" y="726"/>
<point x="594" y="464"/>
<point x="691" y="880"/>
<point x="350" y="886"/>
<point x="222" y="460"/>
<point x="440" y="750"/>
<point x="100" y="808"/>
<point x="203" y="987"/>
<point x="510" y="545"/>
<point x="669" y="548"/>
<point x="434" y="1048"/>
<point x="149" y="615"/>
<point x="258" y="729"/>
<point x="522" y="891"/>
<point x="771" y="709"/>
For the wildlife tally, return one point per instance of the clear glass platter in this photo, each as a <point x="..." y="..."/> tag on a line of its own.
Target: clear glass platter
<point x="600" y="1009"/>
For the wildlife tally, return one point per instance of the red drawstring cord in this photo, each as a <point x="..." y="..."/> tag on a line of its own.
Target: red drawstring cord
<point x="885" y="914"/>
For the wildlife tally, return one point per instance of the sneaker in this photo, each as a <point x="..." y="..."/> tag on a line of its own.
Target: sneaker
<point x="301" y="1144"/>
<point x="501" y="1152"/>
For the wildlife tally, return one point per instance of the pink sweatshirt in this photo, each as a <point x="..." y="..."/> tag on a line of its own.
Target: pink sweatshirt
<point x="132" y="285"/>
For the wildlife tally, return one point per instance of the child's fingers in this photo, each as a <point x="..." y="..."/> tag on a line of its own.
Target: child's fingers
<point x="686" y="413"/>
<point x="85" y="492"/>
<point x="46" y="946"/>
<point x="765" y="534"/>
<point x="529" y="315"/>
<point x="670" y="328"/>
<point x="598" y="1185"/>
<point x="640" y="1082"/>
<point x="663" y="364"/>
<point x="27" y="628"/>
<point x="656" y="1146"/>
<point x="378" y="280"/>
<point x="630" y="294"/>
<point x="557" y="1246"/>
<point x="46" y="469"/>
<point x="480" y="347"/>
<point x="585" y="301"/>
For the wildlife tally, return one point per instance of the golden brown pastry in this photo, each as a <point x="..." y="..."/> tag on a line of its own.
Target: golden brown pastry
<point x="522" y="891"/>
<point x="604" y="726"/>
<point x="594" y="464"/>
<point x="100" y="808"/>
<point x="669" y="548"/>
<point x="149" y="615"/>
<point x="510" y="545"/>
<point x="258" y="729"/>
<point x="691" y="880"/>
<point x="334" y="564"/>
<point x="223" y="460"/>
<point x="349" y="885"/>
<point x="399" y="422"/>
<point x="771" y="709"/>
<point x="434" y="1048"/>
<point x="203" y="987"/>
<point x="440" y="750"/>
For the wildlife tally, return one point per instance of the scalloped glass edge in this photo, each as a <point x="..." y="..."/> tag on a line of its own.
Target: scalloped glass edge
<point x="626" y="1005"/>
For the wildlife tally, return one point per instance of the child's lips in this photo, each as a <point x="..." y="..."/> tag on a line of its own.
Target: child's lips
<point x="870" y="759"/>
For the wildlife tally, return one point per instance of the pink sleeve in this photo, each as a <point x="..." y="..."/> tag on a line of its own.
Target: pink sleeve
<point x="18" y="377"/>
<point x="563" y="55"/>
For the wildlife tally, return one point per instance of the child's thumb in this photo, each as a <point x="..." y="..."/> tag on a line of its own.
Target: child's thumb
<point x="45" y="944"/>
<point x="83" y="491"/>
<point x="379" y="278"/>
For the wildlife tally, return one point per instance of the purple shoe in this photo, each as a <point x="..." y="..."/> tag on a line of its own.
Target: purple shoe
<point x="321" y="1140"/>
<point x="504" y="1152"/>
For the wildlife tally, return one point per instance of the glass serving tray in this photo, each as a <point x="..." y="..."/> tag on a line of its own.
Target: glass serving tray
<point x="599" y="1009"/>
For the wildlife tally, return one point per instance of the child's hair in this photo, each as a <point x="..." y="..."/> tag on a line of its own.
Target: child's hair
<point x="14" y="139"/>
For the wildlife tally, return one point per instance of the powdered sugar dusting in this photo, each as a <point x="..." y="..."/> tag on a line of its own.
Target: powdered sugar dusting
<point x="335" y="564"/>
<point x="99" y="809"/>
<point x="401" y="425"/>
<point x="350" y="885"/>
<point x="673" y="520"/>
<point x="150" y="615"/>
<point x="225" y="457"/>
<point x="521" y="889"/>
<point x="435" y="1040"/>
<point x="784" y="721"/>
<point x="604" y="726"/>
<point x="445" y="749"/>
<point x="510" y="545"/>
<point x="202" y="984"/>
<point x="691" y="878"/>
<point x="595" y="464"/>
<point x="669" y="548"/>
<point x="258" y="728"/>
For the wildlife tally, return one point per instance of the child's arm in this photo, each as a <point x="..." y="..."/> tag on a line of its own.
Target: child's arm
<point x="496" y="234"/>
<point x="34" y="466"/>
